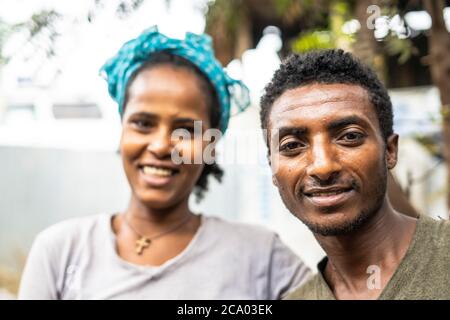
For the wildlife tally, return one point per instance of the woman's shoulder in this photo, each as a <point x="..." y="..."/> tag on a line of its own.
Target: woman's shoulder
<point x="73" y="229"/>
<point x="250" y="243"/>
<point x="239" y="231"/>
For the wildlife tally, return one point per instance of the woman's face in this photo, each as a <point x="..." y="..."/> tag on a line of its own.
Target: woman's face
<point x="160" y="100"/>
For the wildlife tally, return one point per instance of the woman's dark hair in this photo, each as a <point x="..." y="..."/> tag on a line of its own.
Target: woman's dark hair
<point x="166" y="58"/>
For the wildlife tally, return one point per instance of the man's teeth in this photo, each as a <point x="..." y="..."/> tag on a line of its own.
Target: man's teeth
<point x="157" y="171"/>
<point x="327" y="193"/>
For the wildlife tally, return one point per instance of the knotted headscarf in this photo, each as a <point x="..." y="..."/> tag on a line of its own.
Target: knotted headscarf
<point x="195" y="48"/>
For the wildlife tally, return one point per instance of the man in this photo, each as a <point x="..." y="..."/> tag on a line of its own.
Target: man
<point x="331" y="147"/>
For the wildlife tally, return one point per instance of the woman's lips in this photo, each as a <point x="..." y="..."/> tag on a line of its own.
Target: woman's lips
<point x="157" y="177"/>
<point x="330" y="198"/>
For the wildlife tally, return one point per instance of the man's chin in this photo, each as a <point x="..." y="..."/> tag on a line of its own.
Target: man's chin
<point x="331" y="230"/>
<point x="339" y="227"/>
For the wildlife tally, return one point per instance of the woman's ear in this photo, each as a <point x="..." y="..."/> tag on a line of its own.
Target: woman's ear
<point x="392" y="151"/>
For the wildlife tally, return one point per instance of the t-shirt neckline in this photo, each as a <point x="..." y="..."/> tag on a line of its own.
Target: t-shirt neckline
<point x="151" y="268"/>
<point x="415" y="241"/>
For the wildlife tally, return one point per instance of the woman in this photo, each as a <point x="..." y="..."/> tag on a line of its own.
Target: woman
<point x="158" y="248"/>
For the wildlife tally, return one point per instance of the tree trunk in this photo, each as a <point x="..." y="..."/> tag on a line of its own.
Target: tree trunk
<point x="368" y="51"/>
<point x="244" y="38"/>
<point x="366" y="48"/>
<point x="439" y="61"/>
<point x="398" y="198"/>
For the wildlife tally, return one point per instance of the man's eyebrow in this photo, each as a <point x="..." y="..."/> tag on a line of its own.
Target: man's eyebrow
<point x="343" y="122"/>
<point x="295" y="131"/>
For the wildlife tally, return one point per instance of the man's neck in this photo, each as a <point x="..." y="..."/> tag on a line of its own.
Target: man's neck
<point x="378" y="246"/>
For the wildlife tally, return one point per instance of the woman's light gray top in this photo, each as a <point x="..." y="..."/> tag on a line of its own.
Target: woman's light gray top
<point x="77" y="259"/>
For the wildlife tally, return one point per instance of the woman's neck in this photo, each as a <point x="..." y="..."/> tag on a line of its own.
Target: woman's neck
<point x="151" y="220"/>
<point x="152" y="236"/>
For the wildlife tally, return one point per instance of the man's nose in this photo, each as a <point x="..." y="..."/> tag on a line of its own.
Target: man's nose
<point x="323" y="163"/>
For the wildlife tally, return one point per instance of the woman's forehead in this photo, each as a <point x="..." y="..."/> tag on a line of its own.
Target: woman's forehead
<point x="165" y="110"/>
<point x="165" y="78"/>
<point x="167" y="90"/>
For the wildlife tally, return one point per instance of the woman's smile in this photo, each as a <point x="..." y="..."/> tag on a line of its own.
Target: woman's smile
<point x="157" y="176"/>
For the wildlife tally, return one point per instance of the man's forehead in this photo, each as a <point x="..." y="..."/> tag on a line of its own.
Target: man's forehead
<point x="318" y="94"/>
<point x="320" y="106"/>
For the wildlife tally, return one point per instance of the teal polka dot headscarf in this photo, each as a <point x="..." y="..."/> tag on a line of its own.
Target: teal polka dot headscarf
<point x="195" y="48"/>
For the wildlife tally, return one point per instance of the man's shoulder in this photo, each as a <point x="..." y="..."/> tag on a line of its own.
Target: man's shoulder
<point x="439" y="244"/>
<point x="423" y="273"/>
<point x="307" y="291"/>
<point x="438" y="230"/>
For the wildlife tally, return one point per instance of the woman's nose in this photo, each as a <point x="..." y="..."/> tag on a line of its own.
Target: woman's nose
<point x="160" y="144"/>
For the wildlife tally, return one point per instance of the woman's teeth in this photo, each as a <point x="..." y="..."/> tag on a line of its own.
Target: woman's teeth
<point x="157" y="171"/>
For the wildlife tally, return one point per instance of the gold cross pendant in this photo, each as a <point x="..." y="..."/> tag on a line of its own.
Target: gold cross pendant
<point x="142" y="244"/>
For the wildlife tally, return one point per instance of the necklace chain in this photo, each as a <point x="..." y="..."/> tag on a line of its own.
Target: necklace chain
<point x="144" y="241"/>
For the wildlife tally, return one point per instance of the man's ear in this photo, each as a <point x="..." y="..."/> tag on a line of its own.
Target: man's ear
<point x="274" y="181"/>
<point x="392" y="151"/>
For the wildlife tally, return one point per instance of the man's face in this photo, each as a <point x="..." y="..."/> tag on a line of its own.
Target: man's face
<point x="331" y="156"/>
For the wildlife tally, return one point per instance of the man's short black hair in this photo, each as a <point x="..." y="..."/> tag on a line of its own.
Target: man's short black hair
<point x="328" y="67"/>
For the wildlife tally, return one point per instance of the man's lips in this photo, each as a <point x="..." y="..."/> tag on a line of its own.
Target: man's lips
<point x="328" y="197"/>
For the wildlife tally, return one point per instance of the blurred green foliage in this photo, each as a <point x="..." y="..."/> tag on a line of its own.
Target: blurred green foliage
<point x="314" y="40"/>
<point x="333" y="37"/>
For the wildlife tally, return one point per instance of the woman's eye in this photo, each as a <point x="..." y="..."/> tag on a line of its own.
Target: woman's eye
<point x="142" y="124"/>
<point x="188" y="128"/>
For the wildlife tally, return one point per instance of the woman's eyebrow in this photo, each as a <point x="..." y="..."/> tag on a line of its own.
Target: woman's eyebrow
<point x="184" y="120"/>
<point x="144" y="114"/>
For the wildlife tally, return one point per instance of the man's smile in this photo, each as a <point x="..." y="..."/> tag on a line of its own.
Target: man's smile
<point x="328" y="197"/>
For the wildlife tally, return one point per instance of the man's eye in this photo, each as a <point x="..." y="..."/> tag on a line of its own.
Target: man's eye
<point x="291" y="146"/>
<point x="352" y="137"/>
